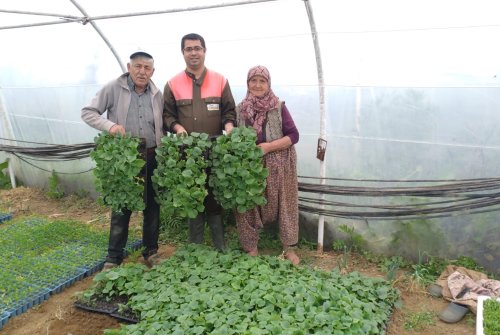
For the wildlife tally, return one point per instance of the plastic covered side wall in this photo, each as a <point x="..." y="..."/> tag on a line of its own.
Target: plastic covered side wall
<point x="411" y="134"/>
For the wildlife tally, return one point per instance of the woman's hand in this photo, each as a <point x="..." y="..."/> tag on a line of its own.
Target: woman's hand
<point x="266" y="147"/>
<point x="276" y="145"/>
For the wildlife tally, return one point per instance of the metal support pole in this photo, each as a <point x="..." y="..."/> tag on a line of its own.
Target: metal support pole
<point x="322" y="132"/>
<point x="63" y="18"/>
<point x="124" y="69"/>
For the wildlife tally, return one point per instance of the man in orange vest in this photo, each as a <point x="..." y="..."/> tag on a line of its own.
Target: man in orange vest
<point x="200" y="100"/>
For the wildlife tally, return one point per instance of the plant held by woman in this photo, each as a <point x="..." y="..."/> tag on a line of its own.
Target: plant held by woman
<point x="238" y="176"/>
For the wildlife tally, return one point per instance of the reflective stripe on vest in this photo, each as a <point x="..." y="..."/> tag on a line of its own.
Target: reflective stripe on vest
<point x="182" y="85"/>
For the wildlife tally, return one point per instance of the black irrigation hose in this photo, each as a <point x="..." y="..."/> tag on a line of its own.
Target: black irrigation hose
<point x="388" y="207"/>
<point x="48" y="153"/>
<point x="462" y="202"/>
<point x="52" y="152"/>
<point x="453" y="189"/>
<point x="389" y="218"/>
<point x="400" y="180"/>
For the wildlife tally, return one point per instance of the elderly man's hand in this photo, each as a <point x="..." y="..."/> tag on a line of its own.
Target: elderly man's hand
<point x="117" y="129"/>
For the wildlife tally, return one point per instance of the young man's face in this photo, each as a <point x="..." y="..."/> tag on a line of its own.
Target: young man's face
<point x="194" y="54"/>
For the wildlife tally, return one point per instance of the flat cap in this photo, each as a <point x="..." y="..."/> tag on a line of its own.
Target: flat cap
<point x="140" y="54"/>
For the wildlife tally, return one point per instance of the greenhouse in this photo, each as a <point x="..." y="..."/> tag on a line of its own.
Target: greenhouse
<point x="395" y="103"/>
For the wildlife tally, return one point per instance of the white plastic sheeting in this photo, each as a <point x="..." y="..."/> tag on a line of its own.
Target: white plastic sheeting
<point x="411" y="86"/>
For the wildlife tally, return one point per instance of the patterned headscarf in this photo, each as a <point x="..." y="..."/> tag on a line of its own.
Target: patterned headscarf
<point x="253" y="109"/>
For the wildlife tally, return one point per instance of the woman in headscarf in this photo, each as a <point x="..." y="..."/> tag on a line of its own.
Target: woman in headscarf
<point x="276" y="135"/>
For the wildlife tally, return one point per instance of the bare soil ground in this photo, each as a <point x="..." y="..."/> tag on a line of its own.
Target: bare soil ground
<point x="58" y="316"/>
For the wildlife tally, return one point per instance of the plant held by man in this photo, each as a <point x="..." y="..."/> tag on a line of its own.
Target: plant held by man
<point x="118" y="168"/>
<point x="180" y="178"/>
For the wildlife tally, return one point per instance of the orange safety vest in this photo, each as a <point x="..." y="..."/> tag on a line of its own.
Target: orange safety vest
<point x="182" y="85"/>
<point x="199" y="108"/>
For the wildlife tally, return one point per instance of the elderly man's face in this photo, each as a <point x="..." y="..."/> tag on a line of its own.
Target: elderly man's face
<point x="141" y="70"/>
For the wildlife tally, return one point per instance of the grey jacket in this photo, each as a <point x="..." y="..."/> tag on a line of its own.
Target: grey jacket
<point x="115" y="98"/>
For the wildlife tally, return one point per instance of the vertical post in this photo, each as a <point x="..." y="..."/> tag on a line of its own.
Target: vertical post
<point x="6" y="130"/>
<point x="11" y="174"/>
<point x="322" y="132"/>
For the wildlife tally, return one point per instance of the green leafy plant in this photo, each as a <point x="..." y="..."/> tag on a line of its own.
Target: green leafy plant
<point x="391" y="266"/>
<point x="428" y="268"/>
<point x="238" y="177"/>
<point x="118" y="165"/>
<point x="339" y="245"/>
<point x="180" y="178"/>
<point x="491" y="317"/>
<point x="468" y="263"/>
<point x="4" y="179"/>
<point x="54" y="188"/>
<point x="201" y="291"/>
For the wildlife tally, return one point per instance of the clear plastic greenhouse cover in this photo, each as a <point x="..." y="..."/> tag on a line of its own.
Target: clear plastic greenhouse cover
<point x="411" y="90"/>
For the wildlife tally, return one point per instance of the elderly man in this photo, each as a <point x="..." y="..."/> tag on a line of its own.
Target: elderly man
<point x="134" y="106"/>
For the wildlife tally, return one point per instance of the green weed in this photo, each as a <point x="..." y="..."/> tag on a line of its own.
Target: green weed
<point x="419" y="321"/>
<point x="4" y="179"/>
<point x="54" y="188"/>
<point x="133" y="255"/>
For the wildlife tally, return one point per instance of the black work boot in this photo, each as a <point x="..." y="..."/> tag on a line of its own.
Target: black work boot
<point x="197" y="229"/>
<point x="217" y="231"/>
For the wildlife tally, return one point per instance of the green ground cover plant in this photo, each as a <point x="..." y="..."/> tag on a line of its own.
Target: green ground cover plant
<point x="117" y="172"/>
<point x="201" y="291"/>
<point x="238" y="176"/>
<point x="180" y="178"/>
<point x="491" y="317"/>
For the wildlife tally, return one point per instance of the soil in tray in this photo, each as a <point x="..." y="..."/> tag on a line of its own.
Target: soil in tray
<point x="101" y="305"/>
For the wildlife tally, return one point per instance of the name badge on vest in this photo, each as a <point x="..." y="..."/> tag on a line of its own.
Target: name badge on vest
<point x="213" y="107"/>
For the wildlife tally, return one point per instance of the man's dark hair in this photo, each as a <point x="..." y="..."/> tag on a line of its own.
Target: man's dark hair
<point x="193" y="36"/>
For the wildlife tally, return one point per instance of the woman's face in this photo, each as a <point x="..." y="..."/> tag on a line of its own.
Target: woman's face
<point x="258" y="86"/>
